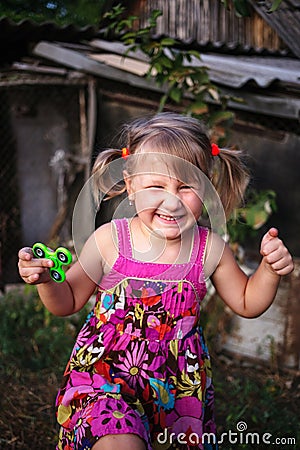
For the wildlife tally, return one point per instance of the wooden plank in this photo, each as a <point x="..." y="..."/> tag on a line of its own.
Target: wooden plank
<point x="205" y="35"/>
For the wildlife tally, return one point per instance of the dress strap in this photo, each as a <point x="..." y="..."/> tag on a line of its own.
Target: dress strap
<point x="199" y="246"/>
<point x="125" y="244"/>
<point x="124" y="238"/>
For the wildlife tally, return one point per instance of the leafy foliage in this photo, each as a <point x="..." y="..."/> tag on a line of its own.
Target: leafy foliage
<point x="245" y="221"/>
<point x="172" y="68"/>
<point x="62" y="12"/>
<point x="242" y="9"/>
<point x="85" y="12"/>
<point x="30" y="336"/>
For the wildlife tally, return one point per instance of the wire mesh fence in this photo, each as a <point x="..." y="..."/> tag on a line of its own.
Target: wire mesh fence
<point x="41" y="159"/>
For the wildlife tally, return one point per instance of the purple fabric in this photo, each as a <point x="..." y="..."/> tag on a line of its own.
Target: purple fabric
<point x="140" y="364"/>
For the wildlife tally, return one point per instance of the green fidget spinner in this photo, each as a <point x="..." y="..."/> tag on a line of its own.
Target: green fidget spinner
<point x="60" y="257"/>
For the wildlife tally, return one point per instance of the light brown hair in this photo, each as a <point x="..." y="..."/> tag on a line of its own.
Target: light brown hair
<point x="184" y="137"/>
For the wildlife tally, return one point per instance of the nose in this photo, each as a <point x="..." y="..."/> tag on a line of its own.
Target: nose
<point x="171" y="202"/>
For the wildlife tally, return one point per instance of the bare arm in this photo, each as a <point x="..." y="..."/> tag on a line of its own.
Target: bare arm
<point x="251" y="296"/>
<point x="81" y="279"/>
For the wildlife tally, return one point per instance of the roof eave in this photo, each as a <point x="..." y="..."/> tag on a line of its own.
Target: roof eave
<point x="274" y="105"/>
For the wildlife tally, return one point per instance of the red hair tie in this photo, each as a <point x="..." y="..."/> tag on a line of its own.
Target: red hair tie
<point x="125" y="152"/>
<point x="215" y="151"/>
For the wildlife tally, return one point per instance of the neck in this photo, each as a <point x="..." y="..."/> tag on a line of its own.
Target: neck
<point x="153" y="247"/>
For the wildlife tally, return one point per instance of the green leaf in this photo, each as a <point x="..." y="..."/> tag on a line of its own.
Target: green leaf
<point x="175" y="94"/>
<point x="199" y="108"/>
<point x="165" y="61"/>
<point x="162" y="102"/>
<point x="142" y="32"/>
<point x="129" y="35"/>
<point x="200" y="76"/>
<point x="156" y="13"/>
<point x="274" y="6"/>
<point x="168" y="42"/>
<point x="158" y="67"/>
<point x="256" y="217"/>
<point x="225" y="2"/>
<point x="221" y="116"/>
<point x="241" y="8"/>
<point x="194" y="53"/>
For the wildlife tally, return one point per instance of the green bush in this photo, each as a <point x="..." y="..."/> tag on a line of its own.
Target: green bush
<point x="266" y="402"/>
<point x="247" y="220"/>
<point x="30" y="336"/>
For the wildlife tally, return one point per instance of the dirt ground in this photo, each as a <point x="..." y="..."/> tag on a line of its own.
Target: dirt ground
<point x="27" y="419"/>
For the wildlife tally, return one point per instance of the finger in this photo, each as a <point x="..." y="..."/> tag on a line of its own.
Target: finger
<point x="36" y="262"/>
<point x="277" y="253"/>
<point x="282" y="268"/>
<point x="272" y="233"/>
<point x="33" y="278"/>
<point x="42" y="262"/>
<point x="270" y="245"/>
<point x="25" y="254"/>
<point x="36" y="277"/>
<point x="285" y="270"/>
<point x="280" y="261"/>
<point x="272" y="256"/>
<point x="27" y="272"/>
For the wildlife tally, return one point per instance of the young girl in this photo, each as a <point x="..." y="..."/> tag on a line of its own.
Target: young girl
<point x="139" y="376"/>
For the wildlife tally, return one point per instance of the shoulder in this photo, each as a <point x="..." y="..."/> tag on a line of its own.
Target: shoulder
<point x="104" y="230"/>
<point x="214" y="251"/>
<point x="107" y="243"/>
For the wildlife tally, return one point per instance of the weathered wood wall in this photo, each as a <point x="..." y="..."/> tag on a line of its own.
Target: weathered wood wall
<point x="208" y="21"/>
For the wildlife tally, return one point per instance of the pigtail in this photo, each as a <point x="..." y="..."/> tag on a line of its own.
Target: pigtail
<point x="230" y="178"/>
<point x="108" y="178"/>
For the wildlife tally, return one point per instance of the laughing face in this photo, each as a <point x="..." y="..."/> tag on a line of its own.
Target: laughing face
<point x="166" y="205"/>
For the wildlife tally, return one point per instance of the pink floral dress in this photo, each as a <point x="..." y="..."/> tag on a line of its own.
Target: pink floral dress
<point x="140" y="364"/>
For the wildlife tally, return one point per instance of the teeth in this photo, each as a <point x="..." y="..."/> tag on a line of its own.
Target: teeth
<point x="169" y="218"/>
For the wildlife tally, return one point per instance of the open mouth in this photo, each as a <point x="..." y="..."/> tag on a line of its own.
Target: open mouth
<point x="169" y="218"/>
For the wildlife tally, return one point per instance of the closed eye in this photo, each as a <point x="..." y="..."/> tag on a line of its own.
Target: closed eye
<point x="186" y="187"/>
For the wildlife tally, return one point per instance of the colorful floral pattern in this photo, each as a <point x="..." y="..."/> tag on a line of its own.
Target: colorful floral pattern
<point x="140" y="364"/>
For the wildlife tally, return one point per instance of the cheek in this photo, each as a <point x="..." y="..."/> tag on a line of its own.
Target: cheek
<point x="148" y="198"/>
<point x="194" y="205"/>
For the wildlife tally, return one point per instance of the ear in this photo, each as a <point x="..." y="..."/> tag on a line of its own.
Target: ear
<point x="128" y="182"/>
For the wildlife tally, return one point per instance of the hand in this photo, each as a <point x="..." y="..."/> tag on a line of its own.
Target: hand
<point x="33" y="270"/>
<point x="275" y="254"/>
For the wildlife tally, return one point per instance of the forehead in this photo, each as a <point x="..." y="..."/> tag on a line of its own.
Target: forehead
<point x="157" y="164"/>
<point x="156" y="178"/>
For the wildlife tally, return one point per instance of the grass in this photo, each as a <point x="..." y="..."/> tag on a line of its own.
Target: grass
<point x="34" y="348"/>
<point x="264" y="402"/>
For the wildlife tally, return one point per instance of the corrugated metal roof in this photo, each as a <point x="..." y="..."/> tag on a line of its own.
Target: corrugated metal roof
<point x="228" y="48"/>
<point x="16" y="37"/>
<point x="29" y="30"/>
<point x="107" y="60"/>
<point x="240" y="70"/>
<point x="231" y="71"/>
<point x="285" y="21"/>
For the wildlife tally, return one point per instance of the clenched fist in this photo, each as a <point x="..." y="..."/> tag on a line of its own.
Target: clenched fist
<point x="275" y="254"/>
